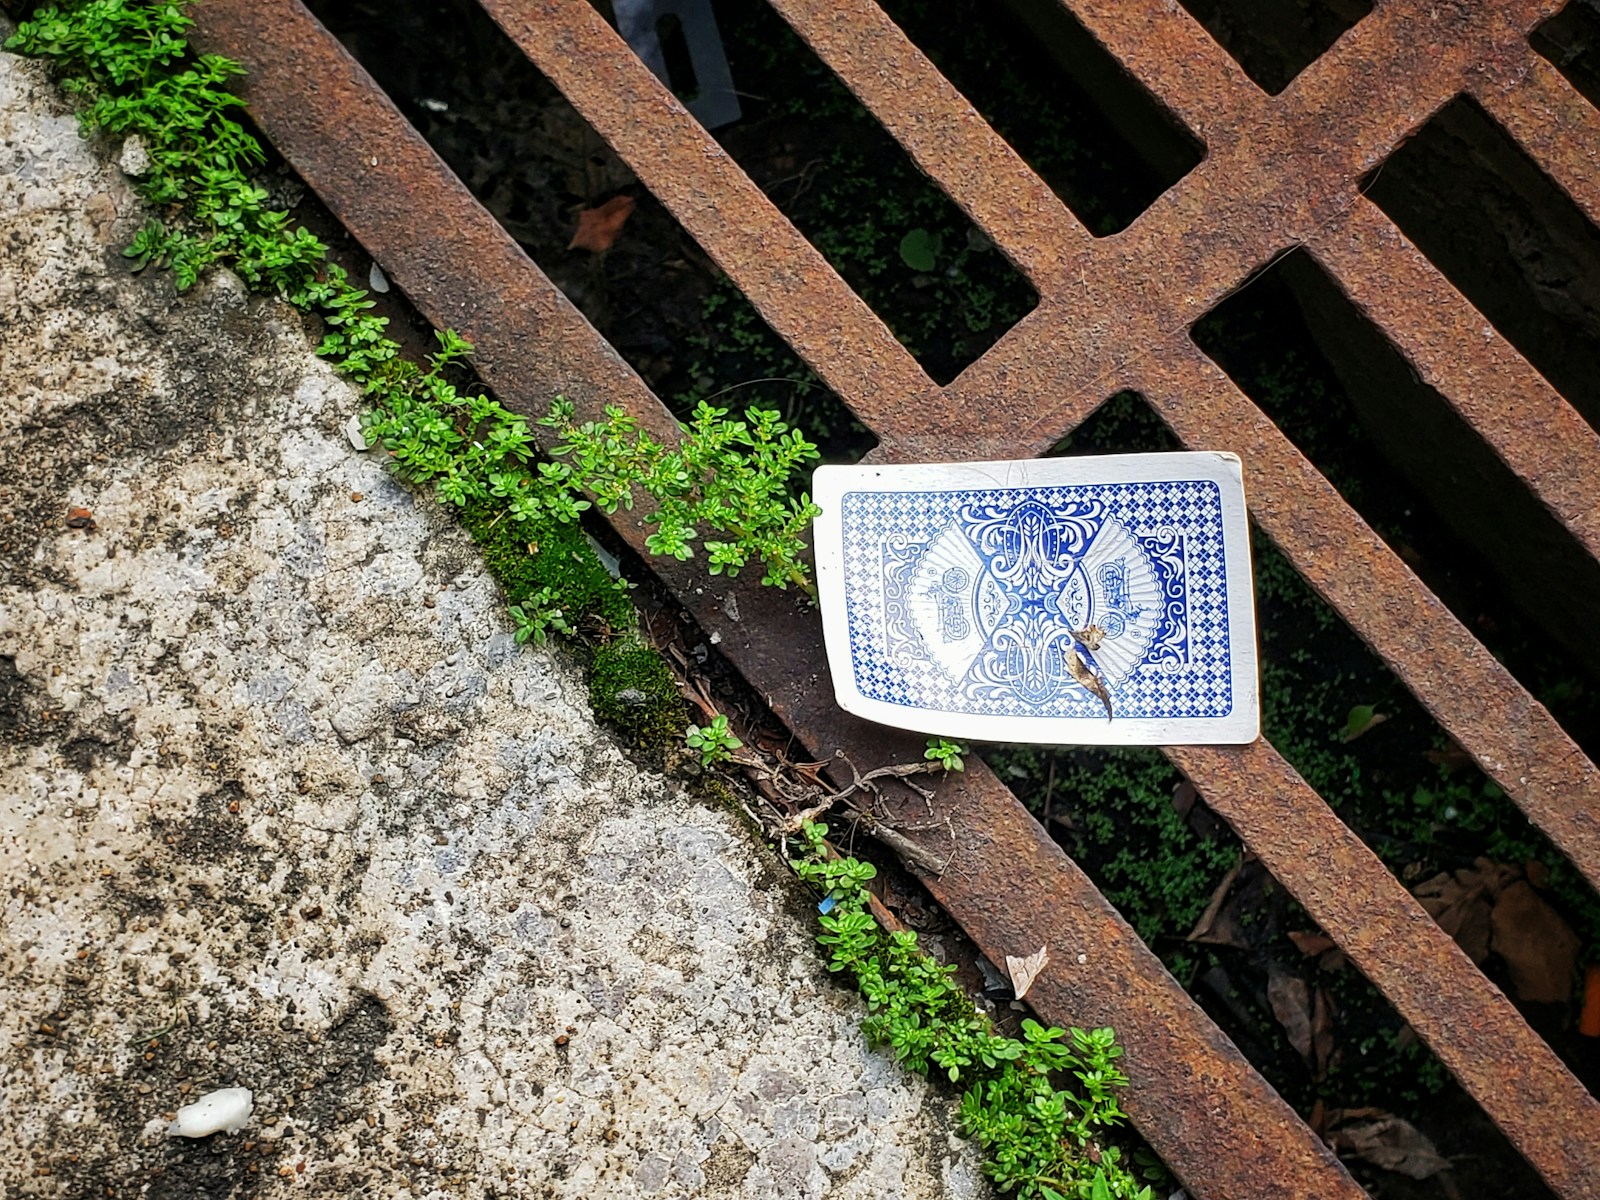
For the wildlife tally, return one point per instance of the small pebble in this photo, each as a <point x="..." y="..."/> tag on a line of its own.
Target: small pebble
<point x="225" y="1110"/>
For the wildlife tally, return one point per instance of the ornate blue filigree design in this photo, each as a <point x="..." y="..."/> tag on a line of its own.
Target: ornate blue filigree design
<point x="972" y="601"/>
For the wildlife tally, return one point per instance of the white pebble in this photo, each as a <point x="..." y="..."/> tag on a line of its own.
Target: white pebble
<point x="352" y="430"/>
<point x="226" y="1109"/>
<point x="134" y="159"/>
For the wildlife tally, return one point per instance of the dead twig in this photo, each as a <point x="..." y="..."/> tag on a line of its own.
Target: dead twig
<point x="867" y="782"/>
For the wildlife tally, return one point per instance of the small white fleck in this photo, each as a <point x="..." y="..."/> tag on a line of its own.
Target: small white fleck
<point x="1082" y="958"/>
<point x="225" y="1110"/>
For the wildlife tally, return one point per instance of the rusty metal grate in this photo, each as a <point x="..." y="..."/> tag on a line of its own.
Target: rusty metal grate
<point x="1280" y="171"/>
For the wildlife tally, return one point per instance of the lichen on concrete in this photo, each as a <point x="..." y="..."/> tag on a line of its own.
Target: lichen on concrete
<point x="285" y="807"/>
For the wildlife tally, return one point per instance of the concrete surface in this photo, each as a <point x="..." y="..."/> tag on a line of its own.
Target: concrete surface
<point x="282" y="806"/>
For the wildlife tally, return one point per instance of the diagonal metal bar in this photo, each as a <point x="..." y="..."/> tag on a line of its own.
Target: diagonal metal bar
<point x="1469" y="1023"/>
<point x="1552" y="121"/>
<point x="1458" y="353"/>
<point x="1473" y="696"/>
<point x="1194" y="1096"/>
<point x="792" y="285"/>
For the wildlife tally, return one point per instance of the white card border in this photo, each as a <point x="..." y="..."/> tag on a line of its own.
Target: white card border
<point x="1239" y="727"/>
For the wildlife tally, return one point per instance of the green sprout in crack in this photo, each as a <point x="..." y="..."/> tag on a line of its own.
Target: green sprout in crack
<point x="946" y="753"/>
<point x="538" y="615"/>
<point x="715" y="742"/>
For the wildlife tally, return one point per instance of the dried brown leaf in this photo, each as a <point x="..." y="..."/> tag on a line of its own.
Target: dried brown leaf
<point x="1183" y="798"/>
<point x="1024" y="971"/>
<point x="1539" y="949"/>
<point x="1460" y="904"/>
<point x="1322" y="1030"/>
<point x="1311" y="944"/>
<point x="1290" y="998"/>
<point x="599" y="227"/>
<point x="1208" y="928"/>
<point x="1387" y="1141"/>
<point x="1451" y="757"/>
<point x="1084" y="674"/>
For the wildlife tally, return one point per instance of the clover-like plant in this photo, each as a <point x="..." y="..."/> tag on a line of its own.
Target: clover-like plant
<point x="946" y="753"/>
<point x="715" y="741"/>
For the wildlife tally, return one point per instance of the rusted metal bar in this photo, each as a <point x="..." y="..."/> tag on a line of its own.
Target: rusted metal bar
<point x="1220" y="1126"/>
<point x="1281" y="172"/>
<point x="1457" y="352"/>
<point x="1476" y="1032"/>
<point x="788" y="281"/>
<point x="1295" y="182"/>
<point x="943" y="133"/>
<point x="1172" y="54"/>
<point x="1552" y="121"/>
<point x="1471" y="693"/>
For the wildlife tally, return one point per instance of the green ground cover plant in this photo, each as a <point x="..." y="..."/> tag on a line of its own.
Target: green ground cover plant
<point x="714" y="741"/>
<point x="1042" y="1140"/>
<point x="946" y="753"/>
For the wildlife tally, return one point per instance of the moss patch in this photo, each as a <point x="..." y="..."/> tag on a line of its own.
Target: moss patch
<point x="525" y="556"/>
<point x="632" y="689"/>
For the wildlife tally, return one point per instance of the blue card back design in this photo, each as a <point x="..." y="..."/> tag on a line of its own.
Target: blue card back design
<point x="971" y="601"/>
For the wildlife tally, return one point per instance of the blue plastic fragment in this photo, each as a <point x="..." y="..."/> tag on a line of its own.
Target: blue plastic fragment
<point x="828" y="904"/>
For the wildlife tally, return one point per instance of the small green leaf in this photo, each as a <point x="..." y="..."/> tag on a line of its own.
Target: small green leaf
<point x="1362" y="718"/>
<point x="919" y="250"/>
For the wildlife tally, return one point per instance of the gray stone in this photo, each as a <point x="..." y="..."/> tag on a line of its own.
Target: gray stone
<point x="134" y="159"/>
<point x="337" y="841"/>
